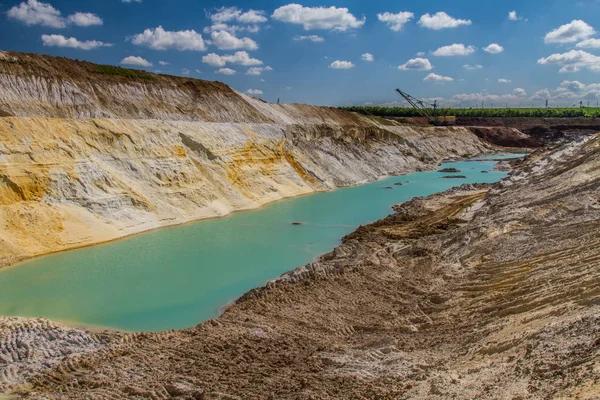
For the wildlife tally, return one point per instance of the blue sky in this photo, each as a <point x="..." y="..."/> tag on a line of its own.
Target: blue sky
<point x="318" y="51"/>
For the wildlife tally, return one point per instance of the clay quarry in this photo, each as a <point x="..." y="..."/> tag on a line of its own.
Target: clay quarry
<point x="484" y="291"/>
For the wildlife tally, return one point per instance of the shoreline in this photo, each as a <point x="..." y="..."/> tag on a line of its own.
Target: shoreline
<point x="259" y="205"/>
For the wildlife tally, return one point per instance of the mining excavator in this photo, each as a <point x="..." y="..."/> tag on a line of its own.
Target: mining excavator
<point x="424" y="110"/>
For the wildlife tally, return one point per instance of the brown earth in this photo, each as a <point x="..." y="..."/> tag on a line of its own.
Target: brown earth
<point x="473" y="293"/>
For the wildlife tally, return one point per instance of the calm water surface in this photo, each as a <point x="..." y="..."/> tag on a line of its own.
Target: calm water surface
<point x="178" y="277"/>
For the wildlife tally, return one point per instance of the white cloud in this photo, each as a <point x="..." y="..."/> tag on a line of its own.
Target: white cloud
<point x="470" y="67"/>
<point x="228" y="14"/>
<point x="341" y="65"/>
<point x="198" y="71"/>
<point x="159" y="39"/>
<point x="437" y="78"/>
<point x="573" y="61"/>
<point x="416" y="64"/>
<point x="367" y="57"/>
<point x="226" y="41"/>
<point x="61" y="41"/>
<point x="312" y="38"/>
<point x="339" y="19"/>
<point x="254" y="91"/>
<point x="239" y="57"/>
<point x="541" y="95"/>
<point x="226" y="71"/>
<point x="395" y="21"/>
<point x="84" y="19"/>
<point x="520" y="92"/>
<point x="502" y="80"/>
<point x="233" y="29"/>
<point x="589" y="44"/>
<point x="34" y="12"/>
<point x="494" y="48"/>
<point x="185" y="71"/>
<point x="441" y="20"/>
<point x="513" y="16"/>
<point x="456" y="49"/>
<point x="133" y="60"/>
<point x="570" y="92"/>
<point x="572" y="32"/>
<point x="421" y="54"/>
<point x="163" y="63"/>
<point x="256" y="71"/>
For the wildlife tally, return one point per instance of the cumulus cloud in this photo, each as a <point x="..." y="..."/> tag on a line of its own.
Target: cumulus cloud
<point x="185" y="71"/>
<point x="395" y="21"/>
<point x="456" y="49"/>
<point x="570" y="92"/>
<point x="589" y="44"/>
<point x="160" y="39"/>
<point x="520" y="92"/>
<point x="341" y="65"/>
<point x="254" y="91"/>
<point x="224" y="40"/>
<point x="541" y="95"/>
<point x="338" y="19"/>
<point x="572" y="32"/>
<point x="441" y="20"/>
<point x="421" y="54"/>
<point x="312" y="38"/>
<point x="512" y="15"/>
<point x="437" y="78"/>
<point x="34" y="12"/>
<point x="416" y="64"/>
<point x="494" y="48"/>
<point x="228" y="14"/>
<point x="84" y="19"/>
<point x="133" y="60"/>
<point x="61" y="41"/>
<point x="502" y="80"/>
<point x="233" y="29"/>
<point x="226" y="71"/>
<point x="573" y="61"/>
<point x="163" y="63"/>
<point x="239" y="57"/>
<point x="255" y="71"/>
<point x="470" y="67"/>
<point x="367" y="57"/>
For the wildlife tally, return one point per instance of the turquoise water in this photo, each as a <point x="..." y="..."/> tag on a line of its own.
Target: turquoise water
<point x="178" y="277"/>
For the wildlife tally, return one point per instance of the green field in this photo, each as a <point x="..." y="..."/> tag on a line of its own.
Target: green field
<point x="591" y="112"/>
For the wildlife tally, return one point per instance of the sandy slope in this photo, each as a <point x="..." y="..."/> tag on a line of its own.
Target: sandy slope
<point x="473" y="293"/>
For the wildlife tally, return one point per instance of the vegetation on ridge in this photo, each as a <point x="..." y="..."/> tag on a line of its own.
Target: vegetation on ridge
<point x="585" y="112"/>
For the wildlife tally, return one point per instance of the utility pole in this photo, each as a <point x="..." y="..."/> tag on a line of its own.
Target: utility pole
<point x="546" y="103"/>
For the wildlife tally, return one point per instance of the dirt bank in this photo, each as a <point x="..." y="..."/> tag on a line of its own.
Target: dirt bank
<point x="473" y="293"/>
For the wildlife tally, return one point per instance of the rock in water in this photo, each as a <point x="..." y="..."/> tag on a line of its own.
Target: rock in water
<point x="449" y="170"/>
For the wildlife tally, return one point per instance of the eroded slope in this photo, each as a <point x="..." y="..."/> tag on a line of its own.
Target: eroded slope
<point x="465" y="294"/>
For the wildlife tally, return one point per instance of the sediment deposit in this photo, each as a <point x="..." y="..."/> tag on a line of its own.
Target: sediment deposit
<point x="478" y="292"/>
<point x="87" y="157"/>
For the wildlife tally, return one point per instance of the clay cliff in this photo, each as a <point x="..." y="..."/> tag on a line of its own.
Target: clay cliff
<point x="90" y="153"/>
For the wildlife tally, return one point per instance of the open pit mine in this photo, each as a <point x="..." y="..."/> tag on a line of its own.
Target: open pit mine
<point x="482" y="291"/>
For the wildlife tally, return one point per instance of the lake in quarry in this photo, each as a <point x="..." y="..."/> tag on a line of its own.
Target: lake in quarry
<point x="177" y="277"/>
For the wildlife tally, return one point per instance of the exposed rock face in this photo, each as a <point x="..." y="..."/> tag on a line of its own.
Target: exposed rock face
<point x="464" y="294"/>
<point x="169" y="150"/>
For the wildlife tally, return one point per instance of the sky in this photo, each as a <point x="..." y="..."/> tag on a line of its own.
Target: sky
<point x="329" y="52"/>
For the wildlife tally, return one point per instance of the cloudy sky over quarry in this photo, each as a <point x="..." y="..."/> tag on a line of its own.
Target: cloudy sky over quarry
<point x="337" y="52"/>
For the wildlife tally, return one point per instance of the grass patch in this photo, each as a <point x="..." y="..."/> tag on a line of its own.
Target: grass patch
<point x="124" y="72"/>
<point x="585" y="112"/>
